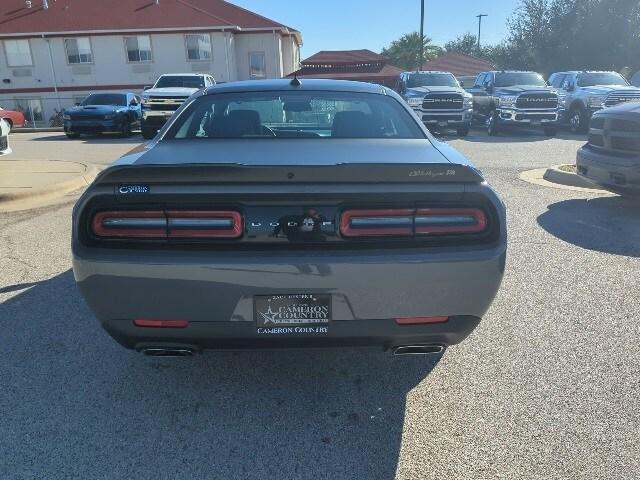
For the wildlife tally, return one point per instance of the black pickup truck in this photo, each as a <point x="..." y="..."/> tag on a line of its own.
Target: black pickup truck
<point x="524" y="99"/>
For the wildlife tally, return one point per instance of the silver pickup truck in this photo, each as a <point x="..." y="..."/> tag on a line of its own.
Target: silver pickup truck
<point x="165" y="97"/>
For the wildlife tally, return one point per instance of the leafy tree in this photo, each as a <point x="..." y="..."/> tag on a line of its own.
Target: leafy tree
<point x="467" y="43"/>
<point x="405" y="52"/>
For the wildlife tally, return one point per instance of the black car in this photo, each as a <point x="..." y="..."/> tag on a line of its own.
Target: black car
<point x="520" y="99"/>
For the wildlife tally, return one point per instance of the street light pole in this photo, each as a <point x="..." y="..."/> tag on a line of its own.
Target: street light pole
<point x="421" y="36"/>
<point x="480" y="27"/>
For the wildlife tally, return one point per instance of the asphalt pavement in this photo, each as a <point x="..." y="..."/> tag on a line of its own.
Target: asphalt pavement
<point x="548" y="386"/>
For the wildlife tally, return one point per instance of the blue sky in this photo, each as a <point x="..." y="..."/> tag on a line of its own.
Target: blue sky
<point x="373" y="24"/>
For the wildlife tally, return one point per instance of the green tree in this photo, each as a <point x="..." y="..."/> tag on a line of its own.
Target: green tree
<point x="405" y="52"/>
<point x="467" y="43"/>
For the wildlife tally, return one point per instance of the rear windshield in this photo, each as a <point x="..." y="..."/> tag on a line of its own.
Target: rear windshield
<point x="431" y="80"/>
<point x="593" y="79"/>
<point x="117" y="99"/>
<point x="176" y="81"/>
<point x="295" y="115"/>
<point x="512" y="79"/>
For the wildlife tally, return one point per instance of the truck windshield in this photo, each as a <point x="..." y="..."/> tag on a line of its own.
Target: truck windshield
<point x="606" y="78"/>
<point x="432" y="80"/>
<point x="176" y="81"/>
<point x="303" y="114"/>
<point x="117" y="99"/>
<point x="512" y="79"/>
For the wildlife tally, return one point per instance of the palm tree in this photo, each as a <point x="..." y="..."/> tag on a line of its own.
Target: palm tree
<point x="405" y="52"/>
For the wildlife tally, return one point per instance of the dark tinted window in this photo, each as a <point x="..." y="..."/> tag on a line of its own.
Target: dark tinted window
<point x="176" y="81"/>
<point x="432" y="80"/>
<point x="606" y="78"/>
<point x="517" y="78"/>
<point x="105" y="99"/>
<point x="480" y="80"/>
<point x="295" y="115"/>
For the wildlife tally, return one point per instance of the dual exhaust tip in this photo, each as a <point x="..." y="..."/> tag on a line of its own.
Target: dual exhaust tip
<point x="168" y="352"/>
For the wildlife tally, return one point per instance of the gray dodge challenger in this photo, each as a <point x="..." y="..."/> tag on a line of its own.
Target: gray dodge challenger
<point x="278" y="214"/>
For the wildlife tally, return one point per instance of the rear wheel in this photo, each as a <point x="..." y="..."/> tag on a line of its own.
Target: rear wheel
<point x="550" y="131"/>
<point x="148" y="132"/>
<point x="578" y="120"/>
<point x="492" y="124"/>
<point x="463" y="131"/>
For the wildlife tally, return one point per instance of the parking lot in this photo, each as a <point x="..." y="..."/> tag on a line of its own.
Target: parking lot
<point x="546" y="387"/>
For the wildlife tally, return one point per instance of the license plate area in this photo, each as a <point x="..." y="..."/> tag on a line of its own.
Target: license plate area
<point x="292" y="310"/>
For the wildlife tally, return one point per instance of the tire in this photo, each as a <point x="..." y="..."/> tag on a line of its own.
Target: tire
<point x="578" y="121"/>
<point x="492" y="124"/>
<point x="125" y="131"/>
<point x="550" y="131"/>
<point x="148" y="132"/>
<point x="72" y="134"/>
<point x="463" y="131"/>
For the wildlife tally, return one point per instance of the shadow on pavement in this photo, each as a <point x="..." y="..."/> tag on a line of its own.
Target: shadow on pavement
<point x="76" y="404"/>
<point x="603" y="224"/>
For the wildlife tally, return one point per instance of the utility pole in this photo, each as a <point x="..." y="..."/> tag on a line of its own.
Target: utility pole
<point x="480" y="27"/>
<point x="421" y="37"/>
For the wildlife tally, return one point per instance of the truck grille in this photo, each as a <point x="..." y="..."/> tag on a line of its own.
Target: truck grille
<point x="616" y="98"/>
<point x="615" y="134"/>
<point x="537" y="101"/>
<point x="442" y="101"/>
<point x="165" y="103"/>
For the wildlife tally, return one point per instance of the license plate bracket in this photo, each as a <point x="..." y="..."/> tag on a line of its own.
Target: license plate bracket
<point x="292" y="310"/>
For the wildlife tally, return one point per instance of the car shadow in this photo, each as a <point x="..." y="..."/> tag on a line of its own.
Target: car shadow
<point x="605" y="224"/>
<point x="287" y="414"/>
<point x="110" y="138"/>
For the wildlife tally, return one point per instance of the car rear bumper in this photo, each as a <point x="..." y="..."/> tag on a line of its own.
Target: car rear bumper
<point x="215" y="291"/>
<point x="617" y="173"/>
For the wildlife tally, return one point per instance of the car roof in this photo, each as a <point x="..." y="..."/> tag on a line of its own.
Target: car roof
<point x="583" y="71"/>
<point x="289" y="85"/>
<point x="429" y="71"/>
<point x="512" y="71"/>
<point x="190" y="74"/>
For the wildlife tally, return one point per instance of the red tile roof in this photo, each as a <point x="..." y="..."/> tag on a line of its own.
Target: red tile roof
<point x="344" y="57"/>
<point x="459" y="64"/>
<point x="138" y="15"/>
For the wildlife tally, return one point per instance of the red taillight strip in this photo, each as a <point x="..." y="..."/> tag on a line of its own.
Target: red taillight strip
<point x="204" y="224"/>
<point x="421" y="320"/>
<point x="409" y="222"/>
<point x="349" y="219"/>
<point x="171" y="224"/>
<point x="130" y="224"/>
<point x="450" y="221"/>
<point x="161" y="323"/>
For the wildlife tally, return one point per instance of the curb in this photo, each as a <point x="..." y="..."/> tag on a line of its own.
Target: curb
<point x="11" y="202"/>
<point x="536" y="177"/>
<point x="36" y="130"/>
<point x="555" y="175"/>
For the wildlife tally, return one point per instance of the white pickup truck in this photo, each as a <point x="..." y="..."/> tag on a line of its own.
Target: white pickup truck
<point x="165" y="97"/>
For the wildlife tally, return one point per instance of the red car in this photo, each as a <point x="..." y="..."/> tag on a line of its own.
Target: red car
<point x="13" y="118"/>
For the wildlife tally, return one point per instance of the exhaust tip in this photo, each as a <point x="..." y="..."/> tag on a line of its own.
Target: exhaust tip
<point x="168" y="352"/>
<point x="418" y="350"/>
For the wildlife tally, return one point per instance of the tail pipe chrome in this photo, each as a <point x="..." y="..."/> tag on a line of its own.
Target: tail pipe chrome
<point x="433" y="350"/>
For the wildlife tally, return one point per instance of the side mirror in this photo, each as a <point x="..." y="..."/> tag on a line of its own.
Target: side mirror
<point x="462" y="83"/>
<point x="147" y="87"/>
<point x="77" y="104"/>
<point x="489" y="87"/>
<point x="571" y="87"/>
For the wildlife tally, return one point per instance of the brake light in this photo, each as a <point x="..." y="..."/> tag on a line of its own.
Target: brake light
<point x="421" y="320"/>
<point x="410" y="222"/>
<point x="224" y="224"/>
<point x="161" y="323"/>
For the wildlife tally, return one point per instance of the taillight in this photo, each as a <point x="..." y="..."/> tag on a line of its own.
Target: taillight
<point x="410" y="222"/>
<point x="200" y="224"/>
<point x="421" y="320"/>
<point x="161" y="323"/>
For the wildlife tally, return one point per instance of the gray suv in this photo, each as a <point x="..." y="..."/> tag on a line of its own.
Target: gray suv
<point x="521" y="99"/>
<point x="585" y="93"/>
<point x="438" y="99"/>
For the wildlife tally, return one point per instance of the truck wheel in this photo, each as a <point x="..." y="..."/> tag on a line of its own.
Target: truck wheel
<point x="550" y="131"/>
<point x="148" y="132"/>
<point x="492" y="124"/>
<point x="463" y="131"/>
<point x="578" y="122"/>
<point x="125" y="130"/>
